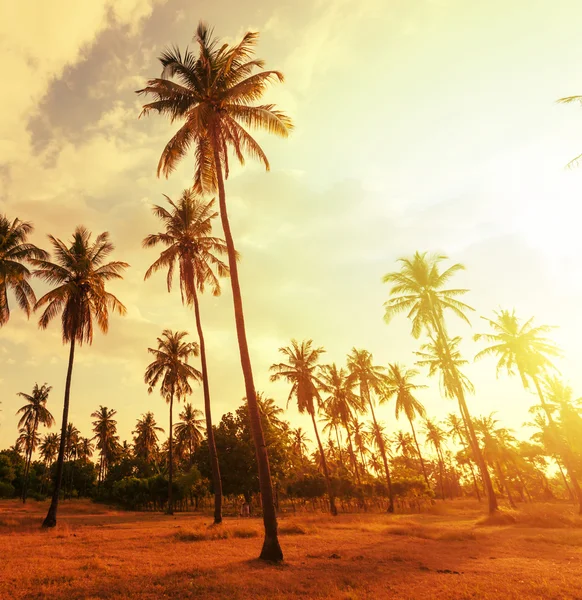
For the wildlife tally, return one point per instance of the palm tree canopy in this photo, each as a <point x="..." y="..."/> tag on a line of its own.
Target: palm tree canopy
<point x="340" y="401"/>
<point x="15" y="251"/>
<point x="190" y="428"/>
<point x="270" y="411"/>
<point x="434" y="434"/>
<point x="518" y="346"/>
<point x="300" y="372"/>
<point x="364" y="373"/>
<point x="105" y="430"/>
<point x="79" y="274"/>
<point x="189" y="243"/>
<point x="49" y="447"/>
<point x="35" y="410"/>
<point x="213" y="94"/>
<point x="418" y="290"/>
<point x="398" y="383"/>
<point x="146" y="436"/>
<point x="170" y="367"/>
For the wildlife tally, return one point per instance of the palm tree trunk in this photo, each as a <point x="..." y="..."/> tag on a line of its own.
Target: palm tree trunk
<point x="332" y="507"/>
<point x="29" y="460"/>
<point x="570" y="494"/>
<point x="171" y="457"/>
<point x="216" y="481"/>
<point x="504" y="484"/>
<point x="271" y="550"/>
<point x="51" y="517"/>
<point x="567" y="458"/>
<point x="352" y="453"/>
<point x="339" y="445"/>
<point x="419" y="453"/>
<point x="470" y="466"/>
<point x="440" y="460"/>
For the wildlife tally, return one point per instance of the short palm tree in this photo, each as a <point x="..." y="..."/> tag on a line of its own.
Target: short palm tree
<point x="213" y="93"/>
<point x="105" y="430"/>
<point x="419" y="289"/>
<point x="189" y="428"/>
<point x="79" y="274"/>
<point x="299" y="442"/>
<point x="301" y="372"/>
<point x="170" y="369"/>
<point x="399" y="384"/>
<point x="145" y="441"/>
<point x="189" y="244"/>
<point x="370" y="380"/>
<point x="34" y="413"/>
<point x="15" y="251"/>
<point x="523" y="348"/>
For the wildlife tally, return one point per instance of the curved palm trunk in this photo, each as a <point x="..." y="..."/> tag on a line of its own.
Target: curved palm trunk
<point x="352" y="453"/>
<point x="51" y="517"/>
<point x="419" y="453"/>
<point x="216" y="481"/>
<point x="383" y="453"/>
<point x="332" y="507"/>
<point x="504" y="484"/>
<point x="271" y="550"/>
<point x="565" y="453"/>
<point x="171" y="471"/>
<point x="463" y="443"/>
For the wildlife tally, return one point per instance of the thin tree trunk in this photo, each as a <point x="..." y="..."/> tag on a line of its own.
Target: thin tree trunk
<point x="352" y="453"/>
<point x="419" y="453"/>
<point x="339" y="446"/>
<point x="171" y="469"/>
<point x="504" y="484"/>
<point x="332" y="506"/>
<point x="564" y="478"/>
<point x="470" y="465"/>
<point x="29" y="460"/>
<point x="440" y="459"/>
<point x="216" y="481"/>
<point x="271" y="550"/>
<point x="51" y="517"/>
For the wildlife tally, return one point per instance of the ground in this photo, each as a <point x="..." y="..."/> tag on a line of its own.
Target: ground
<point x="97" y="552"/>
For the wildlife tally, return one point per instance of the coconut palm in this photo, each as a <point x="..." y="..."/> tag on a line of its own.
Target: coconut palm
<point x="299" y="442"/>
<point x="270" y="411"/>
<point x="523" y="349"/>
<point x="145" y="441"/>
<point x="105" y="430"/>
<point x="15" y="251"/>
<point x="85" y="449"/>
<point x="214" y="93"/>
<point x="301" y="372"/>
<point x="79" y="274"/>
<point x="398" y="383"/>
<point x="360" y="439"/>
<point x="419" y="289"/>
<point x="458" y="432"/>
<point x="48" y="449"/>
<point x="170" y="369"/>
<point x="370" y="380"/>
<point x="436" y="437"/>
<point x="27" y="440"/>
<point x="188" y="243"/>
<point x="560" y="398"/>
<point x="404" y="443"/>
<point x="33" y="414"/>
<point x="189" y="429"/>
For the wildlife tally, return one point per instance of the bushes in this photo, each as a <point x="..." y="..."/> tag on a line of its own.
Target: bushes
<point x="7" y="490"/>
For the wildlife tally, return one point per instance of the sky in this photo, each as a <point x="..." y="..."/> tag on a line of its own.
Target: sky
<point x="424" y="125"/>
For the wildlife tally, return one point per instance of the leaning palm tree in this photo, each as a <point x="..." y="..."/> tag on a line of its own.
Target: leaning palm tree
<point x="34" y="413"/>
<point x="214" y="93"/>
<point x="370" y="379"/>
<point x="189" y="244"/>
<point x="188" y="430"/>
<point x="436" y="437"/>
<point x="170" y="369"/>
<point x="145" y="441"/>
<point x="398" y="383"/>
<point x="419" y="289"/>
<point x="300" y="372"/>
<point x="79" y="274"/>
<point x="523" y="349"/>
<point x="15" y="251"/>
<point x="105" y="430"/>
<point x="458" y="431"/>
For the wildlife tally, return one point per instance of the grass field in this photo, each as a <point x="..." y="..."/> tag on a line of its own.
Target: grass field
<point x="97" y="552"/>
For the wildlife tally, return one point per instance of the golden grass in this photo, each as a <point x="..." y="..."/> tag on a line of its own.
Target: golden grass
<point x="97" y="553"/>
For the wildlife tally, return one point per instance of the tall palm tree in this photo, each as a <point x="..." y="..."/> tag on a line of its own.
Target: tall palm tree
<point x="171" y="370"/>
<point x="79" y="274"/>
<point x="188" y="430"/>
<point x="189" y="244"/>
<point x="458" y="431"/>
<point x="399" y="383"/>
<point x="27" y="440"/>
<point x="360" y="439"/>
<point x="105" y="430"/>
<point x="34" y="413"/>
<point x="72" y="441"/>
<point x="49" y="448"/>
<point x="301" y="372"/>
<point x="370" y="379"/>
<point x="145" y="441"/>
<point x="15" y="251"/>
<point x="419" y="290"/>
<point x="214" y="93"/>
<point x="436" y="437"/>
<point x="524" y="349"/>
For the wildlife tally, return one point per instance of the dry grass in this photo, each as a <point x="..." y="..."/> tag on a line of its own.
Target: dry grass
<point x="96" y="553"/>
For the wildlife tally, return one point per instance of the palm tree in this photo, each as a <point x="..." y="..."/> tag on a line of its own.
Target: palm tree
<point x="15" y="250"/>
<point x="85" y="449"/>
<point x="80" y="274"/>
<point x="189" y="429"/>
<point x="27" y="441"/>
<point x="105" y="430"/>
<point x="399" y="383"/>
<point x="360" y="439"/>
<point x="370" y="378"/>
<point x="145" y="442"/>
<point x="214" y="94"/>
<point x="458" y="431"/>
<point x="270" y="411"/>
<point x="171" y="370"/>
<point x="568" y="100"/>
<point x="523" y="348"/>
<point x="419" y="290"/>
<point x="404" y="443"/>
<point x="299" y="442"/>
<point x="72" y="440"/>
<point x="49" y="448"/>
<point x="436" y="437"/>
<point x="34" y="413"/>
<point x="300" y="372"/>
<point x="188" y="242"/>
